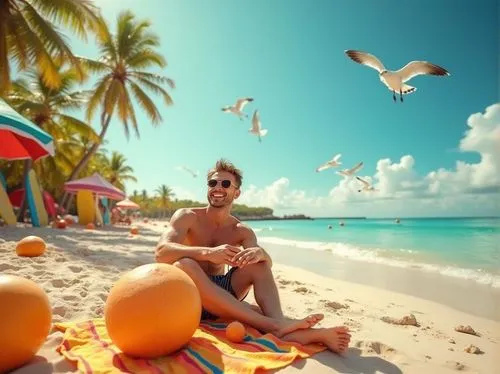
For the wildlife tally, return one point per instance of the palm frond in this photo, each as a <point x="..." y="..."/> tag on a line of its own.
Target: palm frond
<point x="78" y="15"/>
<point x="157" y="90"/>
<point x="38" y="52"/>
<point x="146" y="58"/>
<point x="53" y="40"/>
<point x="146" y="103"/>
<point x="94" y="66"/>
<point x="155" y="78"/>
<point x="97" y="98"/>
<point x="76" y="126"/>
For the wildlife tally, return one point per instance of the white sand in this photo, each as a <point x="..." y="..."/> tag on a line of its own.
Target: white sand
<point x="80" y="267"/>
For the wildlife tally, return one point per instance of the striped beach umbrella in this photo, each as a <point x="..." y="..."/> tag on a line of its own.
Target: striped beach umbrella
<point x="20" y="138"/>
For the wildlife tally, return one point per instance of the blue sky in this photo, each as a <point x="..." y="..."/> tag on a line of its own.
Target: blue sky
<point x="315" y="102"/>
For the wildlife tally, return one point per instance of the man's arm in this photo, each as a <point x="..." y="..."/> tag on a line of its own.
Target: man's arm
<point x="169" y="248"/>
<point x="250" y="241"/>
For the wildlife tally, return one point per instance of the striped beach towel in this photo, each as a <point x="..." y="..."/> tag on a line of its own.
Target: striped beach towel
<point x="88" y="345"/>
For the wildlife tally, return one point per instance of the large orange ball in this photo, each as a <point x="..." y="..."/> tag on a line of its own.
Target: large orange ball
<point x="25" y="320"/>
<point x="152" y="310"/>
<point x="30" y="246"/>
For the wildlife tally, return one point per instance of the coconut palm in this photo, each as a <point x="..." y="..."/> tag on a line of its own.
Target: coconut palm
<point x="166" y="194"/>
<point x="47" y="107"/>
<point x="124" y="56"/>
<point x="118" y="172"/>
<point x="29" y="38"/>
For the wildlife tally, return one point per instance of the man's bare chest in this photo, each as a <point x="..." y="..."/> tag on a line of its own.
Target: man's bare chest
<point x="212" y="237"/>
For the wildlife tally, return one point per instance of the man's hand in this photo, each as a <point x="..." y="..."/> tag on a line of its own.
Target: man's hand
<point x="223" y="254"/>
<point x="249" y="256"/>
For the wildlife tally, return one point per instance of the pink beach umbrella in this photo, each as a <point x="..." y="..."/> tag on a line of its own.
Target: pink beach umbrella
<point x="127" y="204"/>
<point x="96" y="184"/>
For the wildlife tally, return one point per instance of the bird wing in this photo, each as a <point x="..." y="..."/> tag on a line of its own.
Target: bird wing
<point x="240" y="103"/>
<point x="336" y="157"/>
<point x="415" y="68"/>
<point x="323" y="167"/>
<point x="256" y="121"/>
<point x="363" y="181"/>
<point x="365" y="58"/>
<point x="356" y="167"/>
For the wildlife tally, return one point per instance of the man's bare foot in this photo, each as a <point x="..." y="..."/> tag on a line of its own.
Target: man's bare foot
<point x="286" y="326"/>
<point x="336" y="338"/>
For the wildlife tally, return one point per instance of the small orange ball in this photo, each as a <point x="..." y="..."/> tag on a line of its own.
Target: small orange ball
<point x="61" y="224"/>
<point x="31" y="246"/>
<point x="134" y="230"/>
<point x="235" y="331"/>
<point x="90" y="226"/>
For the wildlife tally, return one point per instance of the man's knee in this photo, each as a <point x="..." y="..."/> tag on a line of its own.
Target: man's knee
<point x="187" y="264"/>
<point x="258" y="269"/>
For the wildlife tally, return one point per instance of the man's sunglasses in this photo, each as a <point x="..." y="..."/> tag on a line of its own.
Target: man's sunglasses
<point x="224" y="183"/>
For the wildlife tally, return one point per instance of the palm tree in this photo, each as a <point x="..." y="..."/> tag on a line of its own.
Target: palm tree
<point x="124" y="56"/>
<point x="47" y="107"/>
<point x="29" y="38"/>
<point x="118" y="171"/>
<point x="165" y="194"/>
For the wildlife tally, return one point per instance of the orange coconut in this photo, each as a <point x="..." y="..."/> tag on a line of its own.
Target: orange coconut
<point x="152" y="310"/>
<point x="31" y="246"/>
<point x="25" y="320"/>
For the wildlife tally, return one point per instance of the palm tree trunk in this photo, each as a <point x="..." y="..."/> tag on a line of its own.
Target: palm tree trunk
<point x="28" y="163"/>
<point x="85" y="159"/>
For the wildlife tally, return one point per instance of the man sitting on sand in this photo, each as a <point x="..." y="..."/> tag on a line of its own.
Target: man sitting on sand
<point x="201" y="241"/>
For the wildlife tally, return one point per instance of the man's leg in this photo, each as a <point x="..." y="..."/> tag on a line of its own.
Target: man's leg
<point x="266" y="293"/>
<point x="220" y="302"/>
<point x="336" y="339"/>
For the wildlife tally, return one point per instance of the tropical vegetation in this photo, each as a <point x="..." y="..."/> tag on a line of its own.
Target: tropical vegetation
<point x="43" y="79"/>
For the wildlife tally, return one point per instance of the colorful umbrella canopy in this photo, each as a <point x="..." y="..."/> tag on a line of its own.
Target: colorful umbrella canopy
<point x="96" y="184"/>
<point x="127" y="204"/>
<point x="21" y="139"/>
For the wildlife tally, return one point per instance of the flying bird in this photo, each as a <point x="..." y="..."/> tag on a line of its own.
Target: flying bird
<point x="395" y="80"/>
<point x="366" y="186"/>
<point x="256" y="128"/>
<point x="330" y="164"/>
<point x="185" y="168"/>
<point x="350" y="172"/>
<point x="237" y="109"/>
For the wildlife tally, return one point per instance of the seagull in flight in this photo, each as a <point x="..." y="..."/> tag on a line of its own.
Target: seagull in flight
<point x="237" y="108"/>
<point x="350" y="172"/>
<point x="366" y="186"/>
<point x="185" y="168"/>
<point x="395" y="80"/>
<point x="330" y="164"/>
<point x="256" y="128"/>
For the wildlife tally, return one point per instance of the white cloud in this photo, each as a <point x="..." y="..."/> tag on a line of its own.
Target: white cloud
<point x="468" y="189"/>
<point x="276" y="196"/>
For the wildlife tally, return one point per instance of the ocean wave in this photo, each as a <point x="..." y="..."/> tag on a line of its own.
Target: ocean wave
<point x="378" y="255"/>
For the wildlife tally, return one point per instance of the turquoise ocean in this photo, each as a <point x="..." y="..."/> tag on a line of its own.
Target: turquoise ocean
<point x="457" y="247"/>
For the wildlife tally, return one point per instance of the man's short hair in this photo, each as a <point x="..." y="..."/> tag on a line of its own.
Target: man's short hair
<point x="225" y="165"/>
